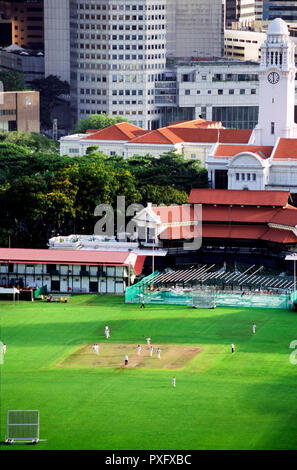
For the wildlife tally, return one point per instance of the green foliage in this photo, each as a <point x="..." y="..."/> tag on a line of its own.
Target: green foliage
<point x="34" y="140"/>
<point x="41" y="192"/>
<point x="98" y="121"/>
<point x="12" y="80"/>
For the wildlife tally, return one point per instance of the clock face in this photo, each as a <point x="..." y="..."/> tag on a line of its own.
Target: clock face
<point x="273" y="77"/>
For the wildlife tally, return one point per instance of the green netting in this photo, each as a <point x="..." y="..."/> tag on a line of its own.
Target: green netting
<point x="41" y="291"/>
<point x="145" y="290"/>
<point x="133" y="293"/>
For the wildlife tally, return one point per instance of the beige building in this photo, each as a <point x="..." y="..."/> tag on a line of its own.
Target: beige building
<point x="19" y="111"/>
<point x="243" y="44"/>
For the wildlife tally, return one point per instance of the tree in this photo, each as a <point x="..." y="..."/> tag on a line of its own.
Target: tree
<point x="50" y="89"/>
<point x="98" y="121"/>
<point x="34" y="140"/>
<point x="12" y="81"/>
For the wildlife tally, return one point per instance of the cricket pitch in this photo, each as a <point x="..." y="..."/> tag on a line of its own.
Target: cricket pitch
<point x="113" y="355"/>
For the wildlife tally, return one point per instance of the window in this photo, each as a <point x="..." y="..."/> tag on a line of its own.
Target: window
<point x="272" y="127"/>
<point x="187" y="92"/>
<point x="220" y="92"/>
<point x="254" y="176"/>
<point x="231" y="92"/>
<point x="242" y="176"/>
<point x="242" y="91"/>
<point x="253" y="91"/>
<point x="237" y="176"/>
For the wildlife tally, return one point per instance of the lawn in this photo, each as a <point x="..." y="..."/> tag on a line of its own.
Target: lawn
<point x="245" y="400"/>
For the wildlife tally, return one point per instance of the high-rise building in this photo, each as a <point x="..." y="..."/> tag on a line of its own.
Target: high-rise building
<point x="26" y="20"/>
<point x="240" y="11"/>
<point x="112" y="52"/>
<point x="259" y="10"/>
<point x="287" y="10"/>
<point x="195" y="28"/>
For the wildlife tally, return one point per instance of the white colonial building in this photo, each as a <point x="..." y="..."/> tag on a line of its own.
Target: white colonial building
<point x="269" y="160"/>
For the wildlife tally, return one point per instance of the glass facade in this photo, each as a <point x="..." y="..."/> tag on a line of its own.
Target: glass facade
<point x="236" y="117"/>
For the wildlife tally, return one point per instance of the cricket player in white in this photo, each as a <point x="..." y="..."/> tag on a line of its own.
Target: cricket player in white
<point x="4" y="348"/>
<point x="254" y="328"/>
<point x="148" y="341"/>
<point x="173" y="381"/>
<point x="151" y="350"/>
<point x="232" y="348"/>
<point x="107" y="333"/>
<point x="158" y="353"/>
<point x="96" y="348"/>
<point x="138" y="349"/>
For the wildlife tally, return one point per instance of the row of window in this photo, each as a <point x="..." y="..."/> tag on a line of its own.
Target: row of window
<point x="7" y="112"/>
<point x="122" y="17"/>
<point x="122" y="27"/>
<point x="120" y="37"/>
<point x="87" y="6"/>
<point x="246" y="176"/>
<point x="242" y="91"/>
<point x="128" y="102"/>
<point x="122" y="66"/>
<point x="119" y="78"/>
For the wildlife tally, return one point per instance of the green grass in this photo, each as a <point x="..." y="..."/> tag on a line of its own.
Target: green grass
<point x="221" y="401"/>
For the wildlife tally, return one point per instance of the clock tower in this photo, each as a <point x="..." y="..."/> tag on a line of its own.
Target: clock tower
<point x="276" y="86"/>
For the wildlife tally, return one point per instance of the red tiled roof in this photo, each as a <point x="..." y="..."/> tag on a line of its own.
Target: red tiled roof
<point x="174" y="213"/>
<point x="239" y="197"/>
<point x="233" y="231"/>
<point x="215" y="231"/>
<point x="279" y="236"/>
<point x="238" y="214"/>
<point x="180" y="233"/>
<point x="139" y="264"/>
<point x="184" y="133"/>
<point x="120" y="131"/>
<point x="196" y="123"/>
<point x="35" y="256"/>
<point x="184" y="213"/>
<point x="231" y="150"/>
<point x="287" y="216"/>
<point x="286" y="148"/>
<point x="159" y="136"/>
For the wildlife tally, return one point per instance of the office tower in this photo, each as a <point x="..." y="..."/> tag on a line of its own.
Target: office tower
<point x="195" y="28"/>
<point x="113" y="52"/>
<point x="240" y="11"/>
<point x="287" y="10"/>
<point x="26" y="20"/>
<point x="259" y="10"/>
